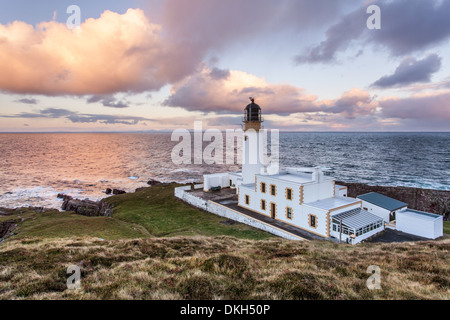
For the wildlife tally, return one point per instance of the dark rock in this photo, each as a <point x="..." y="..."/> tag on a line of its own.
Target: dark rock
<point x="140" y="189"/>
<point x="88" y="208"/>
<point x="153" y="182"/>
<point x="108" y="191"/>
<point x="117" y="191"/>
<point x="6" y="228"/>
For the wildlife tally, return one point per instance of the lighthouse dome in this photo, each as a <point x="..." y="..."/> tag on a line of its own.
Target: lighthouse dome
<point x="253" y="111"/>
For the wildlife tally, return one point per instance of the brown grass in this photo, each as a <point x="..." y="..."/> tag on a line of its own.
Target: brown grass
<point x="222" y="268"/>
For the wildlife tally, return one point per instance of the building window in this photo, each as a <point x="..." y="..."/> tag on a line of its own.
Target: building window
<point x="247" y="199"/>
<point x="263" y="205"/>
<point x="263" y="187"/>
<point x="289" y="213"/>
<point x="313" y="221"/>
<point x="288" y="194"/>
<point x="273" y="189"/>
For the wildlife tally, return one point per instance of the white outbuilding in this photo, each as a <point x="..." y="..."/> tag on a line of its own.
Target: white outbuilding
<point x="382" y="206"/>
<point x="397" y="215"/>
<point x="422" y="224"/>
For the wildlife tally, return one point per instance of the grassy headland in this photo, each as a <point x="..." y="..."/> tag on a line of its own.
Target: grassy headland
<point x="151" y="212"/>
<point x="157" y="247"/>
<point x="222" y="268"/>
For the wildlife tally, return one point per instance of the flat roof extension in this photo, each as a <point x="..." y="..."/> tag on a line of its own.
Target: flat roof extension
<point x="421" y="213"/>
<point x="357" y="218"/>
<point x="333" y="203"/>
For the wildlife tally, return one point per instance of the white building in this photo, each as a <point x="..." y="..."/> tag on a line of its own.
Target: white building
<point x="307" y="199"/>
<point x="302" y="197"/>
<point x="400" y="217"/>
<point x="384" y="207"/>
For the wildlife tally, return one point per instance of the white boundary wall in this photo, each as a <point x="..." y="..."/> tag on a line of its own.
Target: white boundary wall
<point x="225" y="212"/>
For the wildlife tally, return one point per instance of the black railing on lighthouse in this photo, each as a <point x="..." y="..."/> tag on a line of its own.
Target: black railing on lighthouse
<point x="253" y="115"/>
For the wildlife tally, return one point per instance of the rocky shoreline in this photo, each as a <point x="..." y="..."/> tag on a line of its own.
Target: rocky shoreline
<point x="91" y="208"/>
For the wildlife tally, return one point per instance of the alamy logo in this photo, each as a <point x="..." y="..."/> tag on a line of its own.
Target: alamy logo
<point x="374" y="281"/>
<point x="74" y="21"/>
<point x="374" y="21"/>
<point x="230" y="143"/>
<point x="74" y="280"/>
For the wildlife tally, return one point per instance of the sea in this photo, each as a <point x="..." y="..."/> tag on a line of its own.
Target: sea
<point x="35" y="167"/>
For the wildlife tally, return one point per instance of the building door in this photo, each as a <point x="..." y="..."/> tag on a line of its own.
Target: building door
<point x="273" y="210"/>
<point x="392" y="217"/>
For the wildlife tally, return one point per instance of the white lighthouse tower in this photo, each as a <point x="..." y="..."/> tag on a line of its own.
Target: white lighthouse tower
<point x="253" y="149"/>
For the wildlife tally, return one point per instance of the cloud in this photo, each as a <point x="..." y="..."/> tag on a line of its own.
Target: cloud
<point x="108" y="101"/>
<point x="213" y="24"/>
<point x="129" y="53"/>
<point x="76" y="117"/>
<point x="411" y="71"/>
<point x="28" y="101"/>
<point x="114" y="53"/>
<point x="338" y="37"/>
<point x="425" y="107"/>
<point x="354" y="102"/>
<point x="407" y="26"/>
<point x="204" y="92"/>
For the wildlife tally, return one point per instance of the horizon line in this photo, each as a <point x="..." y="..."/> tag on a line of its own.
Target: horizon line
<point x="170" y="131"/>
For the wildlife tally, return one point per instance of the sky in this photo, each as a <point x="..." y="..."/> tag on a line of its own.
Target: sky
<point x="160" y="65"/>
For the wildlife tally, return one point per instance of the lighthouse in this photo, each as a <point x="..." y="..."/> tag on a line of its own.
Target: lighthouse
<point x="254" y="142"/>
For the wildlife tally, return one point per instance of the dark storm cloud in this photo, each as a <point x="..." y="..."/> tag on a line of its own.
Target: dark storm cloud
<point x="75" y="117"/>
<point x="406" y="26"/>
<point x="411" y="71"/>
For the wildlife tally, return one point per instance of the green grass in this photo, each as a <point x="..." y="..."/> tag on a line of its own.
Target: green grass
<point x="66" y="225"/>
<point x="447" y="227"/>
<point x="152" y="212"/>
<point x="163" y="215"/>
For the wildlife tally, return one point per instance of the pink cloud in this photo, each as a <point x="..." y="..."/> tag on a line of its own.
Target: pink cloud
<point x="129" y="53"/>
<point x="114" y="53"/>
<point x="424" y="107"/>
<point x="205" y="91"/>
